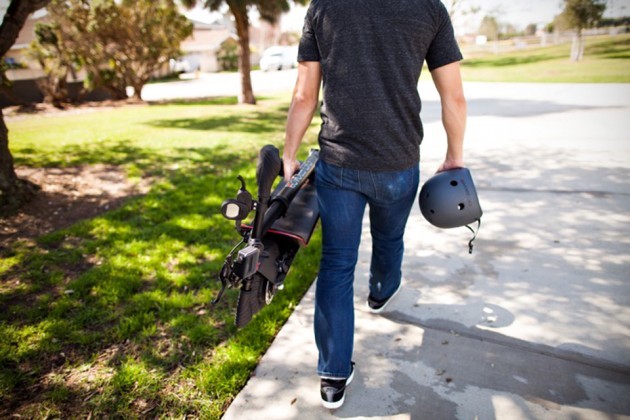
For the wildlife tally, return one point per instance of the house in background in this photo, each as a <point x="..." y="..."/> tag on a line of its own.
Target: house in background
<point x="21" y="67"/>
<point x="23" y="71"/>
<point x="200" y="52"/>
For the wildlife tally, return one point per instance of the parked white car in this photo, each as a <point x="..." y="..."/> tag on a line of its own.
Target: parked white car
<point x="278" y="58"/>
<point x="179" y="65"/>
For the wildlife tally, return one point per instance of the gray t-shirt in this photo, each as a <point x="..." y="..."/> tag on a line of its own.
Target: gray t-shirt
<point x="371" y="53"/>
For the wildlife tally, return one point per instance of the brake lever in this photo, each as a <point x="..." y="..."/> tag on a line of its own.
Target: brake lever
<point x="224" y="276"/>
<point x="243" y="188"/>
<point x="244" y="196"/>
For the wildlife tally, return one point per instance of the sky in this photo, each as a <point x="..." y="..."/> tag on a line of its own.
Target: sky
<point x="522" y="13"/>
<point x="517" y="13"/>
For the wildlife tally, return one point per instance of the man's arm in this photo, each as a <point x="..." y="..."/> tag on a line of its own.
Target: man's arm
<point x="303" y="107"/>
<point x="448" y="82"/>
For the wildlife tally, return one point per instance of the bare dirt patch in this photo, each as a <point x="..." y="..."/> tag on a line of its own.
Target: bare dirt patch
<point x="68" y="195"/>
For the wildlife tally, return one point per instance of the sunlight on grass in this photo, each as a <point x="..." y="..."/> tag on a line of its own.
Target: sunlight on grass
<point x="8" y="262"/>
<point x="606" y="60"/>
<point x="142" y="134"/>
<point x="126" y="294"/>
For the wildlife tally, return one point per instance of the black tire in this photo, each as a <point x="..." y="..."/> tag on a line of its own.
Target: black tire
<point x="253" y="296"/>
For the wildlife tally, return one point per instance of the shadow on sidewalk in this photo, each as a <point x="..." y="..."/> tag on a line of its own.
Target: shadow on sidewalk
<point x="463" y="372"/>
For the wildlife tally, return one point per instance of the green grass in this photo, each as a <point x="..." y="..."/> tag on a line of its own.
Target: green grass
<point x="606" y="60"/>
<point x="112" y="316"/>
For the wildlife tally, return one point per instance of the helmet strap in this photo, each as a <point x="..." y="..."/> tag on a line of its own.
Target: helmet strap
<point x="470" y="243"/>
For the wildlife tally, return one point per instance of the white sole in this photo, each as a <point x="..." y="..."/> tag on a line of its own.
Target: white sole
<point x="337" y="404"/>
<point x="333" y="405"/>
<point x="382" y="308"/>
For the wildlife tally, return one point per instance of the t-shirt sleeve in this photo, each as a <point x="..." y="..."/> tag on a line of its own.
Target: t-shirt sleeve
<point x="308" y="49"/>
<point x="443" y="49"/>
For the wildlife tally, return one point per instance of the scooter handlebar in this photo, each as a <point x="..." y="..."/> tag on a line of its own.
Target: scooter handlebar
<point x="267" y="170"/>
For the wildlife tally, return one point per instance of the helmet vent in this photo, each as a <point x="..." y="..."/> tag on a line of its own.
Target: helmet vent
<point x="460" y="206"/>
<point x="432" y="211"/>
<point x="453" y="183"/>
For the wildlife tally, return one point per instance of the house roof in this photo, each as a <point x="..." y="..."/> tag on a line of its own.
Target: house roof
<point x="204" y="39"/>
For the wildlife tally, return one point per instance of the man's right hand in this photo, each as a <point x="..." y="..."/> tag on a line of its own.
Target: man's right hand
<point x="449" y="164"/>
<point x="289" y="166"/>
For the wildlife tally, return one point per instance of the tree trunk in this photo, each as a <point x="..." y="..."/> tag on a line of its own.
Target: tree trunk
<point x="13" y="191"/>
<point x="8" y="178"/>
<point x="14" y="19"/>
<point x="140" y="79"/>
<point x="137" y="90"/>
<point x="244" y="64"/>
<point x="574" y="47"/>
<point x="577" y="46"/>
<point x="116" y="92"/>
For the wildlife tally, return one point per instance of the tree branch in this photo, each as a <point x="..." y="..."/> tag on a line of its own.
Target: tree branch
<point x="17" y="13"/>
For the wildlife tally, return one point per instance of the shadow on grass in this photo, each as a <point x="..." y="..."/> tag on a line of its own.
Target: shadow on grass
<point x="123" y="299"/>
<point x="213" y="100"/>
<point x="119" y="153"/>
<point x="253" y="122"/>
<point x="243" y="120"/>
<point x="509" y="60"/>
<point x="122" y="153"/>
<point x="219" y="100"/>
<point x="616" y="49"/>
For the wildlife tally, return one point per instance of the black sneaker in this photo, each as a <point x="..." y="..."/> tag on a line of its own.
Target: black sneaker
<point x="333" y="391"/>
<point x="377" y="306"/>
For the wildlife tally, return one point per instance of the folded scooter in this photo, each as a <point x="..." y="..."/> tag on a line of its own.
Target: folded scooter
<point x="283" y="221"/>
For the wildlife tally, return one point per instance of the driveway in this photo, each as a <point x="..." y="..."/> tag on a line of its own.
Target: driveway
<point x="219" y="84"/>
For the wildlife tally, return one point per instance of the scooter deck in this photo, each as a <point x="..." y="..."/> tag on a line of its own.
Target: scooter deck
<point x="301" y="218"/>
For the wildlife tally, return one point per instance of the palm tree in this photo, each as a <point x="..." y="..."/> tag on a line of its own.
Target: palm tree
<point x="269" y="10"/>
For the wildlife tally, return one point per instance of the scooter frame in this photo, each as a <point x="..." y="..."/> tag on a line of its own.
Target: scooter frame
<point x="283" y="221"/>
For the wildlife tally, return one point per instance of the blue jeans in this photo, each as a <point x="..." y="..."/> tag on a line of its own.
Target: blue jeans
<point x="343" y="194"/>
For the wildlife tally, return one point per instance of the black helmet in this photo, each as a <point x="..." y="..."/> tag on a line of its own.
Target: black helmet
<point x="449" y="199"/>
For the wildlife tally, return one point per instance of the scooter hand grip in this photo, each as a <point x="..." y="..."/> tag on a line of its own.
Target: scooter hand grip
<point x="268" y="168"/>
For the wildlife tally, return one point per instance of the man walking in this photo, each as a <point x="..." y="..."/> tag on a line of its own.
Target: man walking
<point x="369" y="54"/>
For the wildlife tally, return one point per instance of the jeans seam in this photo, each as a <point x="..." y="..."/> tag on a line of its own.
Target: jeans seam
<point x="374" y="186"/>
<point x="341" y="178"/>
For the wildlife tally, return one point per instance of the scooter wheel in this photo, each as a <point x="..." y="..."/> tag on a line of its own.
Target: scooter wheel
<point x="253" y="296"/>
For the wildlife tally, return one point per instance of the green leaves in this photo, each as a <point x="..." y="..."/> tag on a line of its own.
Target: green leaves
<point x="118" y="44"/>
<point x="581" y="14"/>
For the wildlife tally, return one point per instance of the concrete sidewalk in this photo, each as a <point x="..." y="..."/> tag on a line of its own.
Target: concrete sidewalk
<point x="535" y="324"/>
